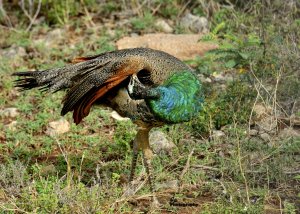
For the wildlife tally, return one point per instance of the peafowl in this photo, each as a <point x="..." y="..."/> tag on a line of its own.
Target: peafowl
<point x="150" y="87"/>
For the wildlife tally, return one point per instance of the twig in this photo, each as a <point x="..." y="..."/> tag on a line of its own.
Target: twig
<point x="16" y="209"/>
<point x="241" y="166"/>
<point x="88" y="15"/>
<point x="265" y="89"/>
<point x="292" y="172"/>
<point x="252" y="110"/>
<point x="65" y="155"/>
<point x="183" y="9"/>
<point x="32" y="19"/>
<point x="186" y="167"/>
<point x="206" y="167"/>
<point x="140" y="185"/>
<point x="5" y="16"/>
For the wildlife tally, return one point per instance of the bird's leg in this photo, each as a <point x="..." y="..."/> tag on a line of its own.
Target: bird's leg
<point x="147" y="156"/>
<point x="141" y="141"/>
<point x="143" y="144"/>
<point x="134" y="159"/>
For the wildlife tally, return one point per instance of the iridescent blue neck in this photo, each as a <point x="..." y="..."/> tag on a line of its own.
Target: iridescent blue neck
<point x="180" y="98"/>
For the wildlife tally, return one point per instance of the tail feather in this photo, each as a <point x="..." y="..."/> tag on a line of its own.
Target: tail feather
<point x="81" y="97"/>
<point x="83" y="106"/>
<point x="89" y="79"/>
<point x="27" y="83"/>
<point x="95" y="79"/>
<point x="55" y="79"/>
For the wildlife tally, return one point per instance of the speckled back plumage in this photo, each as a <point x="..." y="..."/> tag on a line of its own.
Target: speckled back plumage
<point x="104" y="78"/>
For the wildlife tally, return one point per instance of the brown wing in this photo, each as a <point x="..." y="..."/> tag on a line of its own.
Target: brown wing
<point x="82" y="108"/>
<point x="95" y="85"/>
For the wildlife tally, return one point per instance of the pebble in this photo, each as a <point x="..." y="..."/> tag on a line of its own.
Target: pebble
<point x="194" y="23"/>
<point x="163" y="26"/>
<point x="160" y="143"/>
<point x="58" y="127"/>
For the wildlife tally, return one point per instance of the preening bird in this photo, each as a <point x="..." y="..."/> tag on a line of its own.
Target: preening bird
<point x="150" y="87"/>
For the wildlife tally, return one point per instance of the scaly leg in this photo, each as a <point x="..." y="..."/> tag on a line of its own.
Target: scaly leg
<point x="135" y="154"/>
<point x="141" y="141"/>
<point x="147" y="156"/>
<point x="131" y="186"/>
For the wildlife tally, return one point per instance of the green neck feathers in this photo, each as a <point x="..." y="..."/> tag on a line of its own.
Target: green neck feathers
<point x="179" y="98"/>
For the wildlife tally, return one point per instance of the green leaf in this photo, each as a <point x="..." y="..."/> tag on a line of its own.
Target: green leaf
<point x="230" y="64"/>
<point x="244" y="55"/>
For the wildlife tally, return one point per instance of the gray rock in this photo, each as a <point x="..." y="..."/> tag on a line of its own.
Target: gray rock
<point x="204" y="79"/>
<point x="289" y="132"/>
<point x="173" y="185"/>
<point x="264" y="119"/>
<point x="217" y="134"/>
<point x="11" y="126"/>
<point x="13" y="52"/>
<point x="253" y="132"/>
<point x="9" y="112"/>
<point x="222" y="77"/>
<point x="52" y="38"/>
<point x="164" y="26"/>
<point x="194" y="23"/>
<point x="160" y="143"/>
<point x="267" y="124"/>
<point x="58" y="127"/>
<point x="265" y="136"/>
<point x="182" y="46"/>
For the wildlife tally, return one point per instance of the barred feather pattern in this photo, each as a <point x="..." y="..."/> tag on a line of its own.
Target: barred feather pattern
<point x="90" y="78"/>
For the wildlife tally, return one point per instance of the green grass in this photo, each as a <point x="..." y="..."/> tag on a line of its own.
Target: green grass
<point x="86" y="170"/>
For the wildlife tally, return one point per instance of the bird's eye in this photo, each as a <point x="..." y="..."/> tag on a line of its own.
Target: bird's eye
<point x="144" y="77"/>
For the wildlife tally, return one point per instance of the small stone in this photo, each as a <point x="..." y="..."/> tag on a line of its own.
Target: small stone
<point x="289" y="132"/>
<point x="53" y="38"/>
<point x="253" y="132"/>
<point x="159" y="142"/>
<point x="134" y="35"/>
<point x="194" y="23"/>
<point x="208" y="80"/>
<point x="204" y="79"/>
<point x="58" y="127"/>
<point x="164" y="26"/>
<point x="265" y="136"/>
<point x="11" y="126"/>
<point x="9" y="112"/>
<point x="261" y="111"/>
<point x="13" y="52"/>
<point x="169" y="185"/>
<point x="264" y="119"/>
<point x="111" y="33"/>
<point x="217" y="134"/>
<point x="223" y="77"/>
<point x="267" y="124"/>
